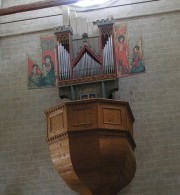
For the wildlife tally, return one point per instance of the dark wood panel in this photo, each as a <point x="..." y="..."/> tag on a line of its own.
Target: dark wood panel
<point x="34" y="6"/>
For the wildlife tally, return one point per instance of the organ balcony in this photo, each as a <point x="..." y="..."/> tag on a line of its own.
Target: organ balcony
<point x="91" y="144"/>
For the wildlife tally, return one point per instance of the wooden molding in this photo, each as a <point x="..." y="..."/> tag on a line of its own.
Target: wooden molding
<point x="87" y="132"/>
<point x="34" y="6"/>
<point x="87" y="80"/>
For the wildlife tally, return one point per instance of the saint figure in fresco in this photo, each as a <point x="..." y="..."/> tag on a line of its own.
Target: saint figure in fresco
<point x="35" y="78"/>
<point x="48" y="74"/>
<point x="137" y="61"/>
<point x="121" y="52"/>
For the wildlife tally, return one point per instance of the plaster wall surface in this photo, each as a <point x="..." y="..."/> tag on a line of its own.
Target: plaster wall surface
<point x="9" y="3"/>
<point x="25" y="163"/>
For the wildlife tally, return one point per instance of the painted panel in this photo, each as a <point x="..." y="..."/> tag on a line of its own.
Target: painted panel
<point x="48" y="61"/>
<point x="129" y="61"/>
<point x="43" y="74"/>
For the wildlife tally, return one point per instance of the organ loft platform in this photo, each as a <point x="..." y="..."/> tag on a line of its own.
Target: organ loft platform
<point x="91" y="144"/>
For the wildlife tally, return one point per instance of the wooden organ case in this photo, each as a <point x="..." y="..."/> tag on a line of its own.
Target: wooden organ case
<point x="90" y="137"/>
<point x="88" y="71"/>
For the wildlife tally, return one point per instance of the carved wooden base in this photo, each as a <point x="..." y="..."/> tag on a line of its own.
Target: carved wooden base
<point x="93" y="151"/>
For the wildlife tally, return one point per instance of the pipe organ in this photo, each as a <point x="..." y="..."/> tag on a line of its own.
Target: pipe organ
<point x="88" y="61"/>
<point x="90" y="137"/>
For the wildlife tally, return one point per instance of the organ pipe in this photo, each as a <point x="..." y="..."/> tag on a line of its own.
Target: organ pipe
<point x="64" y="62"/>
<point x="86" y="67"/>
<point x="107" y="55"/>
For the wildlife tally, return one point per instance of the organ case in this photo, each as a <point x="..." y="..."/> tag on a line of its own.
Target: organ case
<point x="91" y="60"/>
<point x="90" y="137"/>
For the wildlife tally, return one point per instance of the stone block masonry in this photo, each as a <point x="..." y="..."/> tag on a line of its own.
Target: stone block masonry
<point x="25" y="163"/>
<point x="155" y="100"/>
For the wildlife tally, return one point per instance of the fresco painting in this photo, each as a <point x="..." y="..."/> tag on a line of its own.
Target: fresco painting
<point x="129" y="61"/>
<point x="44" y="74"/>
<point x="137" y="62"/>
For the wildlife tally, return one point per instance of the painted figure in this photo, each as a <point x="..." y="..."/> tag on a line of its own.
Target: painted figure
<point x="137" y="61"/>
<point x="35" y="78"/>
<point x="43" y="74"/>
<point x="121" y="52"/>
<point x="48" y="75"/>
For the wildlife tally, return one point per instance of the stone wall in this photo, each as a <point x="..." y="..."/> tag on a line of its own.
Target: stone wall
<point x="155" y="100"/>
<point x="25" y="163"/>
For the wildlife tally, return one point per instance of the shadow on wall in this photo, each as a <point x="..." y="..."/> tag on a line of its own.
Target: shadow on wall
<point x="13" y="189"/>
